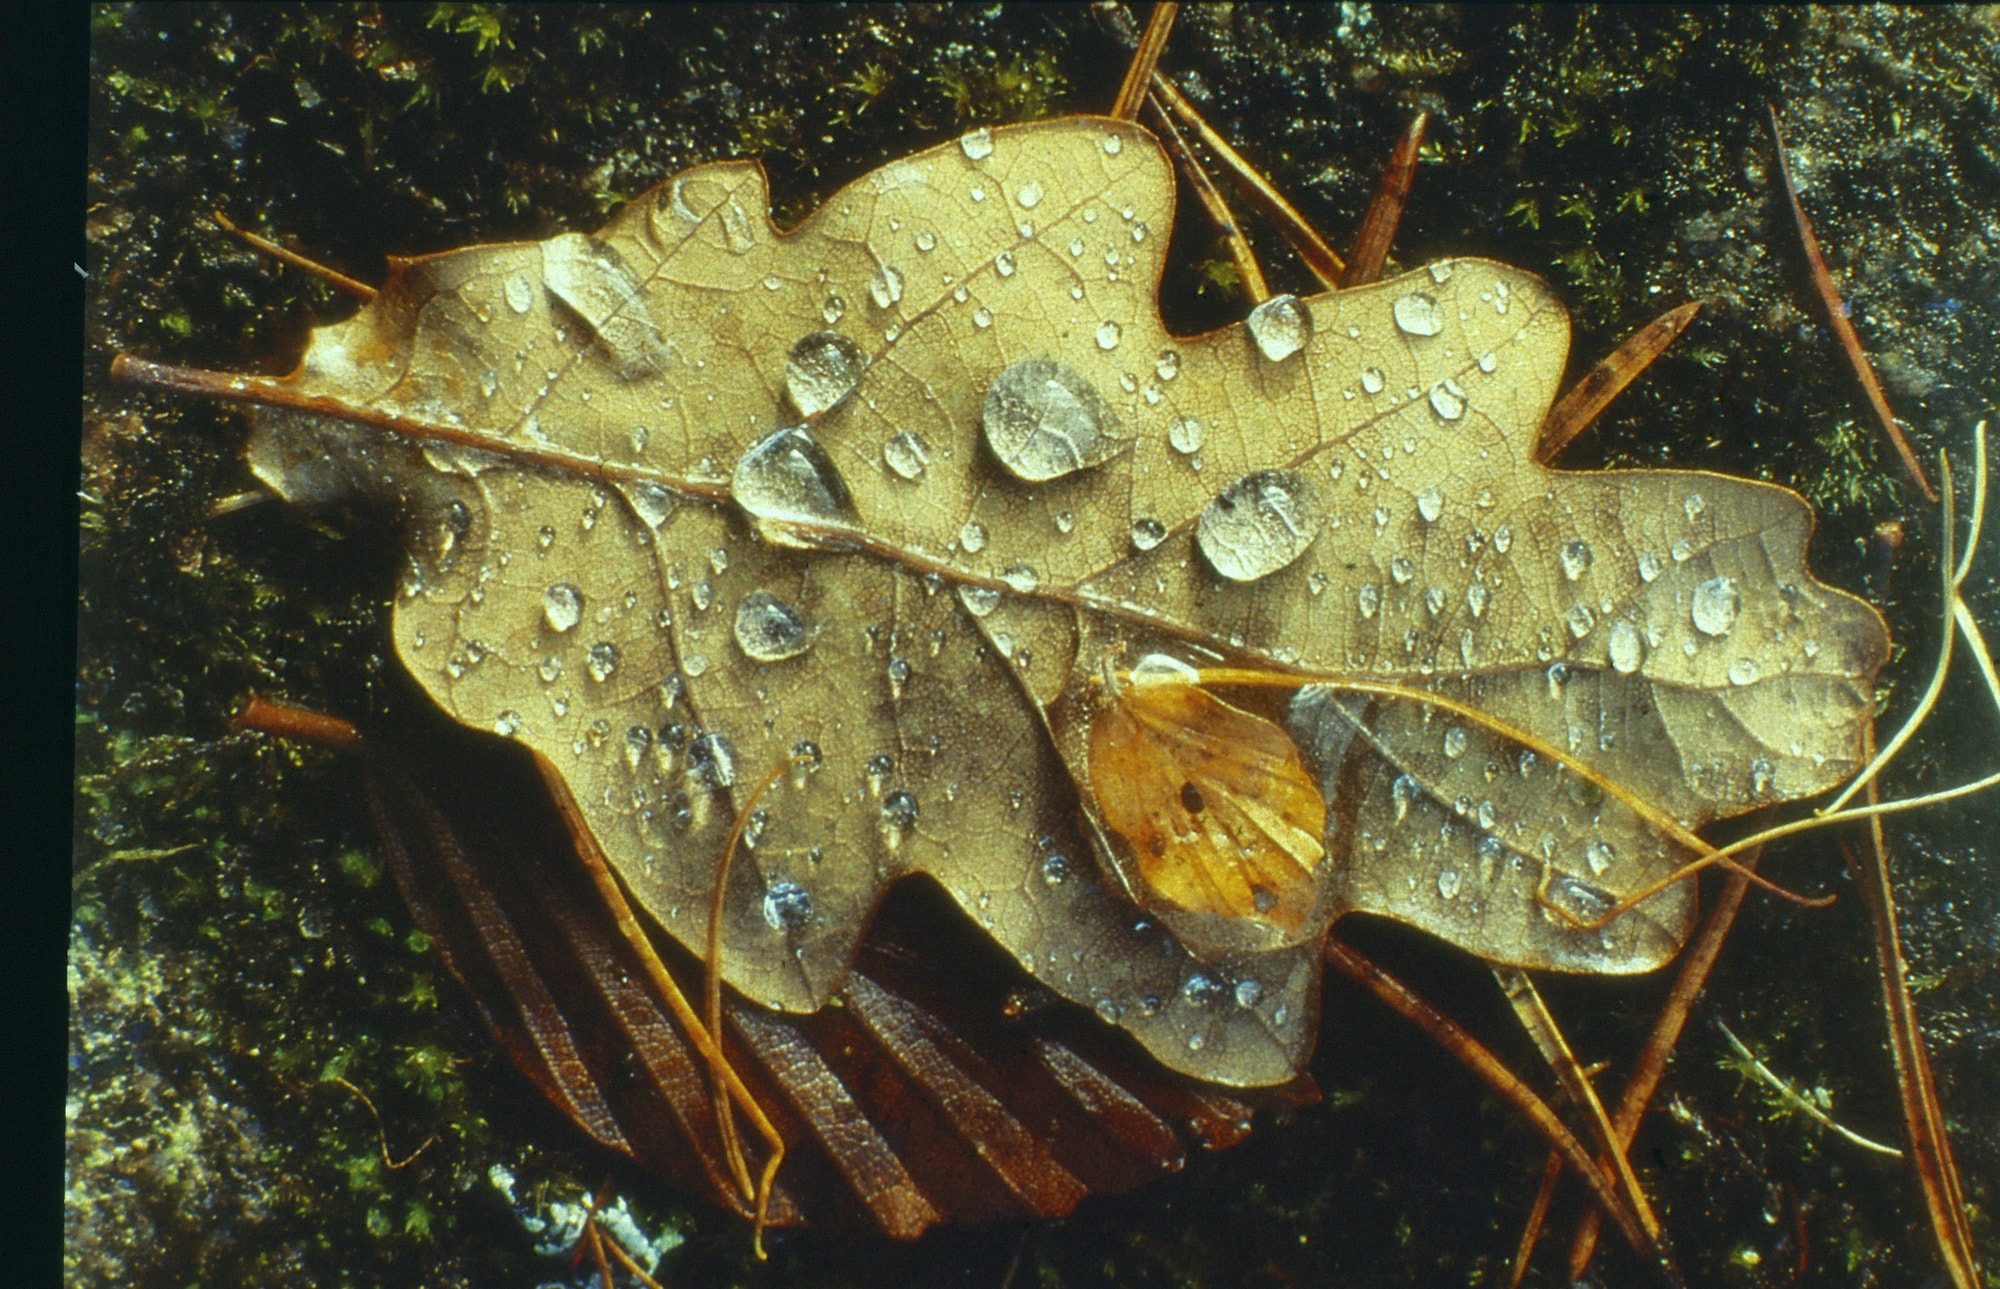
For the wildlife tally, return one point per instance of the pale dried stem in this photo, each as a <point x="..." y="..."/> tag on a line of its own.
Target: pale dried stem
<point x="1792" y="1097"/>
<point x="1646" y="811"/>
<point x="332" y="277"/>
<point x="712" y="987"/>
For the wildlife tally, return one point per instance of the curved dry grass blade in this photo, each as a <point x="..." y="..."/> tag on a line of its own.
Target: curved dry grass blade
<point x="1218" y="210"/>
<point x="1385" y="209"/>
<point x="725" y="1122"/>
<point x="1482" y="1062"/>
<point x="1930" y="1148"/>
<point x="1325" y="264"/>
<point x="1541" y="1026"/>
<point x="333" y="277"/>
<point x="707" y="1042"/>
<point x="1139" y="75"/>
<point x="1836" y="317"/>
<point x="1604" y="382"/>
<point x="1652" y="815"/>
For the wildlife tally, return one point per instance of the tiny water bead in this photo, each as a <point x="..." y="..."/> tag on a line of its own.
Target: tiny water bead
<point x="821" y="371"/>
<point x="768" y="629"/>
<point x="977" y="145"/>
<point x="562" y="607"/>
<point x="907" y="454"/>
<point x="886" y="287"/>
<point x="1715" y="606"/>
<point x="1281" y="326"/>
<point x="1418" y="314"/>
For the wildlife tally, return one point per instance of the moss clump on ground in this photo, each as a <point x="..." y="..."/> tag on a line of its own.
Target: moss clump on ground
<point x="237" y="946"/>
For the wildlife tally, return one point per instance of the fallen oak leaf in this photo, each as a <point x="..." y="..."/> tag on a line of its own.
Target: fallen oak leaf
<point x="594" y="426"/>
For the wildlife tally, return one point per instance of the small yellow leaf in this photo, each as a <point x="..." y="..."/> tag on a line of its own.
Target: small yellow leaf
<point x="1212" y="802"/>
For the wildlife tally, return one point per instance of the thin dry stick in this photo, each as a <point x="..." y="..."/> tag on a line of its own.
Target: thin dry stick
<point x="1140" y="74"/>
<point x="1240" y="253"/>
<point x="333" y="277"/>
<point x="1604" y="382"/>
<point x="709" y="1045"/>
<point x="1480" y="1061"/>
<point x="1385" y="208"/>
<point x="1538" y="1213"/>
<point x="1541" y="1026"/>
<point x="1312" y="248"/>
<point x="1930" y="1148"/>
<point x="1836" y="317"/>
<point x="1651" y="1064"/>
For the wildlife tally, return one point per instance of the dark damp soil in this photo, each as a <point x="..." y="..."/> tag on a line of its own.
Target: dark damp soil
<point x="243" y="976"/>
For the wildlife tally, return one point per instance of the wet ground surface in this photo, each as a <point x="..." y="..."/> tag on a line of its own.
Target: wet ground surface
<point x="245" y="983"/>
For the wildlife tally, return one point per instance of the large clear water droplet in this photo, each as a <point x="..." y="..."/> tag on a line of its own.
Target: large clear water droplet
<point x="823" y="369"/>
<point x="1108" y="333"/>
<point x="1430" y="504"/>
<point x="1147" y="533"/>
<point x="770" y="630"/>
<point x="1715" y="605"/>
<point x="562" y="607"/>
<point x="977" y="145"/>
<point x="1743" y="671"/>
<point x="788" y="476"/>
<point x="1281" y="326"/>
<point x="1418" y="314"/>
<point x="1259" y="524"/>
<point x="593" y="281"/>
<point x="1044" y="420"/>
<point x="1372" y="380"/>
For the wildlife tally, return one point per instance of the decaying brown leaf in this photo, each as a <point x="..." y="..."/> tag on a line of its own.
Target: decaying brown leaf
<point x="892" y="492"/>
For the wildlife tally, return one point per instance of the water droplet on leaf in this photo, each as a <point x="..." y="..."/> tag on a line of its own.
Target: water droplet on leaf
<point x="768" y="629"/>
<point x="1259" y="524"/>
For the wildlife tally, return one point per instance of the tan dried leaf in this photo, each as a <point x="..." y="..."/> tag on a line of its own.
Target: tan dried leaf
<point x="891" y="492"/>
